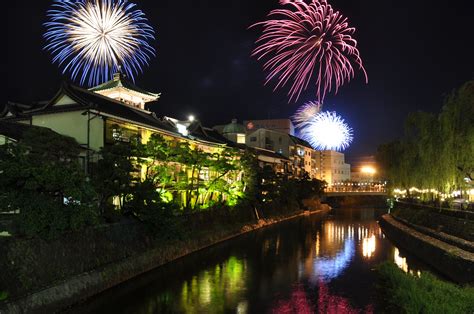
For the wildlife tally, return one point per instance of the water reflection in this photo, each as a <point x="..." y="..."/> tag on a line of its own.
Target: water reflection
<point x="401" y="262"/>
<point x="314" y="264"/>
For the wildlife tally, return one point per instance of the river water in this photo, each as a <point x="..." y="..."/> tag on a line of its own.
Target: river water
<point x="321" y="263"/>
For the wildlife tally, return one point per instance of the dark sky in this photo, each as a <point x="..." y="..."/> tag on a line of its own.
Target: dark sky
<point x="414" y="52"/>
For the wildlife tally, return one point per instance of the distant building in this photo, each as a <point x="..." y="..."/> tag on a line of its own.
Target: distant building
<point x="233" y="131"/>
<point x="332" y="167"/>
<point x="279" y="125"/>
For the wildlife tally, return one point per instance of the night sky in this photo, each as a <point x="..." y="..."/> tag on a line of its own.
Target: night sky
<point x="414" y="53"/>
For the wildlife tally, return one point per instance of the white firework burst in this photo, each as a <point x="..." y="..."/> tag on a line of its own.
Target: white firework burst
<point x="305" y="113"/>
<point x="92" y="39"/>
<point x="327" y="131"/>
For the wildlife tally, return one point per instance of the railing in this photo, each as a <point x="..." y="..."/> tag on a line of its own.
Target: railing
<point x="356" y="189"/>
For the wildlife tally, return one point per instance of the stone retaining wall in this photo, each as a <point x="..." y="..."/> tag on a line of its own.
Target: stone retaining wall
<point x="126" y="265"/>
<point x="449" y="260"/>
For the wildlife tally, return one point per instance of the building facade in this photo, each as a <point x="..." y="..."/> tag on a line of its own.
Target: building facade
<point x="332" y="167"/>
<point x="279" y="125"/>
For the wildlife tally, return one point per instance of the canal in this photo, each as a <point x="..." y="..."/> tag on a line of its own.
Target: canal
<point x="323" y="262"/>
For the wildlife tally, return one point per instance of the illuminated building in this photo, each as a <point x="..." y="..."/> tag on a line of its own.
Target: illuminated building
<point x="332" y="167"/>
<point x="113" y="111"/>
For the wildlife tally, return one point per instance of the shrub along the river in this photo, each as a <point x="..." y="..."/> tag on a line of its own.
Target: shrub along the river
<point x="42" y="180"/>
<point x="399" y="292"/>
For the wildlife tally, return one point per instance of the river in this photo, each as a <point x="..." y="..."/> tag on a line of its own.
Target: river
<point x="322" y="262"/>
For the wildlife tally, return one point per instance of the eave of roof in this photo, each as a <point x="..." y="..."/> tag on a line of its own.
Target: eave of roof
<point x="122" y="81"/>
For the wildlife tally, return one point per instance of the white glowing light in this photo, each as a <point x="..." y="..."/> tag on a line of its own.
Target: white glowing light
<point x="327" y="131"/>
<point x="305" y="113"/>
<point x="368" y="170"/>
<point x="182" y="129"/>
<point x="191" y="118"/>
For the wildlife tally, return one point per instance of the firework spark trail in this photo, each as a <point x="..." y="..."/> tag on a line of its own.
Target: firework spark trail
<point x="327" y="131"/>
<point x="305" y="113"/>
<point x="308" y="41"/>
<point x="92" y="39"/>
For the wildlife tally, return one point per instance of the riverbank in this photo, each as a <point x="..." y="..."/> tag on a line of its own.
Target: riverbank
<point x="449" y="259"/>
<point x="98" y="259"/>
<point x="399" y="292"/>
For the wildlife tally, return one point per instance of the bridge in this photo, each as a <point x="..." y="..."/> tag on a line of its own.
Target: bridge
<point x="356" y="189"/>
<point x="355" y="196"/>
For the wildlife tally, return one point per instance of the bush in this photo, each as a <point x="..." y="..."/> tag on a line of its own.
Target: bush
<point x="402" y="293"/>
<point x="43" y="182"/>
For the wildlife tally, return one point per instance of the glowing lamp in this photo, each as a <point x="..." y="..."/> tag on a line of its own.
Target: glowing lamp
<point x="368" y="170"/>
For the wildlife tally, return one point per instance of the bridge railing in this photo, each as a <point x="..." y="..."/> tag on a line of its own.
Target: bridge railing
<point x="356" y="189"/>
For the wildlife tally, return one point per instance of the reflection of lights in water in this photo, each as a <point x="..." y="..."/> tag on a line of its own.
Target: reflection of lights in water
<point x="210" y="287"/>
<point x="318" y="244"/>
<point x="299" y="301"/>
<point x="277" y="245"/>
<point x="368" y="246"/>
<point x="329" y="268"/>
<point x="401" y="262"/>
<point x="205" y="288"/>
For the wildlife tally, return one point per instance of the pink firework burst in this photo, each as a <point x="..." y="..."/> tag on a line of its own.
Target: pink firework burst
<point x="308" y="42"/>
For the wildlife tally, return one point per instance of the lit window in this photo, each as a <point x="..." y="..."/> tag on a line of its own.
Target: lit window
<point x="241" y="138"/>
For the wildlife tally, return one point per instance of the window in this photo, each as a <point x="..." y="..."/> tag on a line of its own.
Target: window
<point x="241" y="138"/>
<point x="253" y="139"/>
<point x="279" y="140"/>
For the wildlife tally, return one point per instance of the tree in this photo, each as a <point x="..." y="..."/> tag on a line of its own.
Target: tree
<point x="114" y="175"/>
<point x="42" y="180"/>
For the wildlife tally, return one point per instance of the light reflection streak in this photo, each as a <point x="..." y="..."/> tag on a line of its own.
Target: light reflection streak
<point x="368" y="246"/>
<point x="401" y="262"/>
<point x="329" y="268"/>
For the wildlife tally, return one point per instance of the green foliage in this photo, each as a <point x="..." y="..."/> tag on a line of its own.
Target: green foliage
<point x="3" y="295"/>
<point x="146" y="203"/>
<point x="436" y="151"/>
<point x="190" y="177"/>
<point x="113" y="174"/>
<point x="42" y="179"/>
<point x="402" y="293"/>
<point x="287" y="191"/>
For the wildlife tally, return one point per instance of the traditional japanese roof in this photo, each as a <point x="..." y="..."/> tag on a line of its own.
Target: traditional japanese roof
<point x="83" y="99"/>
<point x="121" y="81"/>
<point x="196" y="131"/>
<point x="80" y="99"/>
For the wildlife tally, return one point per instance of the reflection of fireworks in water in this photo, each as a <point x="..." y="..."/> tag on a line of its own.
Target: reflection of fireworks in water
<point x="327" y="268"/>
<point x="305" y="42"/>
<point x="92" y="39"/>
<point x="306" y="112"/>
<point x="327" y="131"/>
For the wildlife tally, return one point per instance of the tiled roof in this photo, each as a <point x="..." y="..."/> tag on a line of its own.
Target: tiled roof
<point x="120" y="80"/>
<point x="88" y="100"/>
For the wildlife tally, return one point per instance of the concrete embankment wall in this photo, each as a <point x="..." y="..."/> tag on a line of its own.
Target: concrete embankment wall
<point x="451" y="261"/>
<point x="60" y="273"/>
